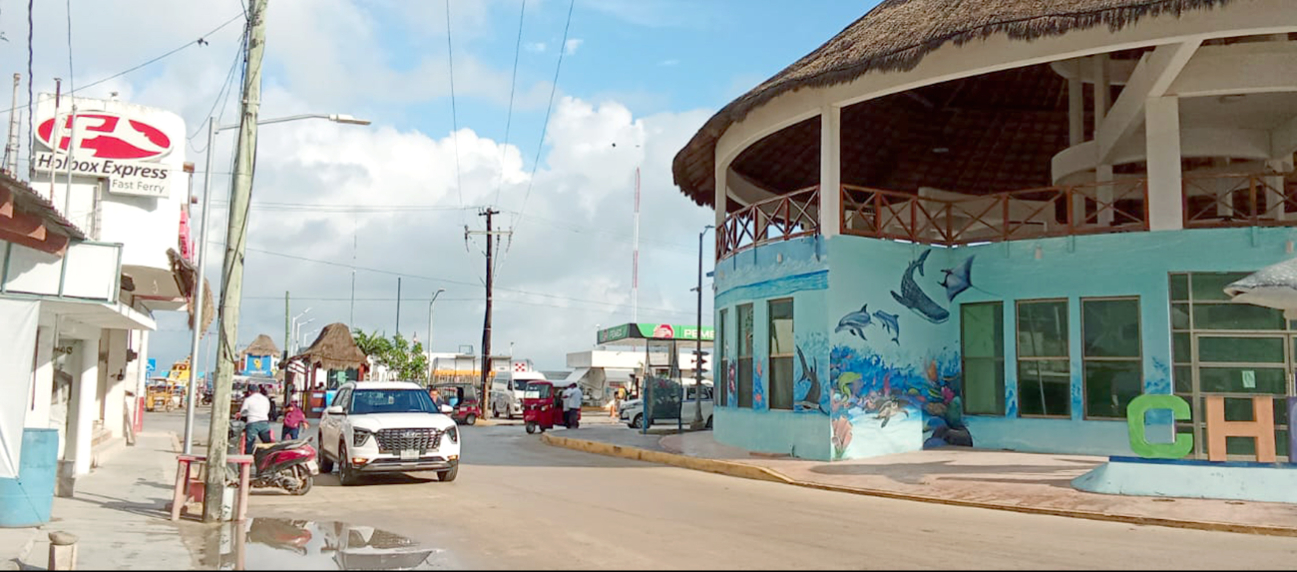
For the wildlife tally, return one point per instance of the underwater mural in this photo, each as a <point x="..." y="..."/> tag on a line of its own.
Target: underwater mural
<point x="913" y="297"/>
<point x="809" y="395"/>
<point x="759" y="386"/>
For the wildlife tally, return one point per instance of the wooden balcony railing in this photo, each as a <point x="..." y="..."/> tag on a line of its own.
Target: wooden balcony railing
<point x="779" y="218"/>
<point x="1245" y="199"/>
<point x="940" y="217"/>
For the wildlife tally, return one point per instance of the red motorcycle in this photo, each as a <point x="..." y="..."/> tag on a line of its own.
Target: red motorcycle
<point x="287" y="465"/>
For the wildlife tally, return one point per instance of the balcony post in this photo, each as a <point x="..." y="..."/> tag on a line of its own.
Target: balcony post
<point x="830" y="170"/>
<point x="1165" y="183"/>
<point x="722" y="205"/>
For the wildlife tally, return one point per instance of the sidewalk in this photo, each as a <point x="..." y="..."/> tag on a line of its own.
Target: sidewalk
<point x="1021" y="482"/>
<point x="118" y="515"/>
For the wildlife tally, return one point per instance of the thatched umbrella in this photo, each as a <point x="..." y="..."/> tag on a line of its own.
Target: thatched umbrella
<point x="186" y="276"/>
<point x="262" y="346"/>
<point x="895" y="36"/>
<point x="335" y="349"/>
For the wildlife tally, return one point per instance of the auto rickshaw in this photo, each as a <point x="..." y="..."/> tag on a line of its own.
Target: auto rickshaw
<point x="160" y="397"/>
<point x="463" y="398"/>
<point x="542" y="405"/>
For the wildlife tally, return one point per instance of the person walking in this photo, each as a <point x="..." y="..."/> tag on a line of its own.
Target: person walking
<point x="256" y="413"/>
<point x="294" y="421"/>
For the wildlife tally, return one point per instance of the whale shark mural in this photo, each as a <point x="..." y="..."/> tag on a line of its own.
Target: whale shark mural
<point x="913" y="297"/>
<point x="1274" y="286"/>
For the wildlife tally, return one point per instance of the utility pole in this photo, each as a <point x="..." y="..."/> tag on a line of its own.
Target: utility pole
<point x="490" y="283"/>
<point x="398" y="305"/>
<point x="232" y="278"/>
<point x="698" y="350"/>
<point x="288" y="326"/>
<point x="10" y="162"/>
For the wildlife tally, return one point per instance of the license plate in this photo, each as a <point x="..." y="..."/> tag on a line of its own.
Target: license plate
<point x="313" y="467"/>
<point x="409" y="454"/>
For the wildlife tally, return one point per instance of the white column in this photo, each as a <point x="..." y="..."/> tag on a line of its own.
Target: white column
<point x="83" y="410"/>
<point x="1165" y="190"/>
<point x="1075" y="110"/>
<point x="722" y="196"/>
<point x="38" y="409"/>
<point x="115" y="398"/>
<point x="830" y="170"/>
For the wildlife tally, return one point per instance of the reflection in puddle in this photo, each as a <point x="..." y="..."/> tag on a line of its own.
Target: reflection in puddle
<point x="285" y="544"/>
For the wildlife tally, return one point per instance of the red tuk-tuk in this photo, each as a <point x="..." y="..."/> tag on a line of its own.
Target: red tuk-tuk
<point x="463" y="398"/>
<point x="542" y="405"/>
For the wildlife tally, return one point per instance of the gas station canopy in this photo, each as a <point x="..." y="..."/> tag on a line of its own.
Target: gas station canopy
<point x="640" y="334"/>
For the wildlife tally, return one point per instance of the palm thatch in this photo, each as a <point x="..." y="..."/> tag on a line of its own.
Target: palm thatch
<point x="262" y="346"/>
<point x="895" y="36"/>
<point x="186" y="276"/>
<point x="334" y="348"/>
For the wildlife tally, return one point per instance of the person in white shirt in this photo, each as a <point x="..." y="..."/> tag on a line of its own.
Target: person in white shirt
<point x="571" y="406"/>
<point x="256" y="413"/>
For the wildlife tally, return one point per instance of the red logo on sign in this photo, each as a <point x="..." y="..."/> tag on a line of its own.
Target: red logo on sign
<point x="108" y="135"/>
<point x="664" y="331"/>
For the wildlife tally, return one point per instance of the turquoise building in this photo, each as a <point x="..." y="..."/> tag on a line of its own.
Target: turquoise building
<point x="997" y="229"/>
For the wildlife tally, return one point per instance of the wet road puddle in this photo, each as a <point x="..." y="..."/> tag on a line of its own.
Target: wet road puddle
<point x="288" y="544"/>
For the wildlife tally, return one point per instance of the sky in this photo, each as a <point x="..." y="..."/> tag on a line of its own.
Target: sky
<point x="636" y="80"/>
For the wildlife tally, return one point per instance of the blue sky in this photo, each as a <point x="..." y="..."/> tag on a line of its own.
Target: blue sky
<point x="644" y="74"/>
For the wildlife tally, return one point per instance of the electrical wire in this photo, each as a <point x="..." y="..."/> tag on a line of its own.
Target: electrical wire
<point x="116" y="75"/>
<point x="31" y="132"/>
<point x="513" y="86"/>
<point x="454" y="113"/>
<point x="522" y="211"/>
<point x="223" y="94"/>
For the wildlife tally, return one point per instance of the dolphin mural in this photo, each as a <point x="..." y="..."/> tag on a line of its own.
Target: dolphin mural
<point x="1274" y="286"/>
<point x="810" y="375"/>
<point x="891" y="323"/>
<point x="856" y="322"/>
<point x="958" y="279"/>
<point x="913" y="297"/>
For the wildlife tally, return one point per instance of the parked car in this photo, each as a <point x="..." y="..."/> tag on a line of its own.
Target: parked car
<point x="387" y="427"/>
<point x="668" y="410"/>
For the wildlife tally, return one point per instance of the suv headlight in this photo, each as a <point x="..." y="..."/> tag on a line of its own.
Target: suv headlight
<point x="359" y="436"/>
<point x="453" y="433"/>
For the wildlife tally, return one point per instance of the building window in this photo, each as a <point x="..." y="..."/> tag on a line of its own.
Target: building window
<point x="982" y="340"/>
<point x="781" y="353"/>
<point x="722" y="374"/>
<point x="1044" y="371"/>
<point x="744" y="386"/>
<point x="1112" y="356"/>
<point x="1232" y="350"/>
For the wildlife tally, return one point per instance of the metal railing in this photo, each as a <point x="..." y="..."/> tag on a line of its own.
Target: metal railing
<point x="780" y="218"/>
<point x="1239" y="199"/>
<point x="940" y="217"/>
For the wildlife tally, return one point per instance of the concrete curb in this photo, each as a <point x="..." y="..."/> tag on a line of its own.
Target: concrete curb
<point x="695" y="463"/>
<point x="747" y="471"/>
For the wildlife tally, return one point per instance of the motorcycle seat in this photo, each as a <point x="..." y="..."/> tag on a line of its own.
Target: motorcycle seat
<point x="280" y="445"/>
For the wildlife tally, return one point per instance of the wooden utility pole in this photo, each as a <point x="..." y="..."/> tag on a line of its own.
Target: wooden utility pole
<point x="490" y="283"/>
<point x="232" y="277"/>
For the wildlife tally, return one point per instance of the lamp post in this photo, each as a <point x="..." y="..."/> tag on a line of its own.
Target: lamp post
<point x="698" y="352"/>
<point x="297" y="334"/>
<point x="430" y="304"/>
<point x="200" y="253"/>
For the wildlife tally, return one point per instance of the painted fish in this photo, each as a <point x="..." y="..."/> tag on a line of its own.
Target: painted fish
<point x="912" y="295"/>
<point x="1274" y="286"/>
<point x="890" y="409"/>
<point x="856" y="322"/>
<point x="890" y="323"/>
<point x="958" y="279"/>
<point x="809" y="374"/>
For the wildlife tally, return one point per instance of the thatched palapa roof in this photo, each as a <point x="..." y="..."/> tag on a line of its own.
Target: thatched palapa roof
<point x="334" y="348"/>
<point x="186" y="276"/>
<point x="262" y="346"/>
<point x="895" y="36"/>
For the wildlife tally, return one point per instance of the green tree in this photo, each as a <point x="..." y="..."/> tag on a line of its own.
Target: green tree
<point x="402" y="360"/>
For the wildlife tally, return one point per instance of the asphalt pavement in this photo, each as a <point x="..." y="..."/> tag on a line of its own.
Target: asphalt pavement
<point x="521" y="504"/>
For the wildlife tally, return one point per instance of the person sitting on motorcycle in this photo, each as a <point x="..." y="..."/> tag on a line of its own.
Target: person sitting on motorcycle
<point x="256" y="413"/>
<point x="294" y="421"/>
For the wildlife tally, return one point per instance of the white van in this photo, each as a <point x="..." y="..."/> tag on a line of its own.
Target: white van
<point x="506" y="392"/>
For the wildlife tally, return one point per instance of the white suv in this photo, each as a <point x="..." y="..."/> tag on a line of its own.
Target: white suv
<point x="632" y="411"/>
<point x="387" y="427"/>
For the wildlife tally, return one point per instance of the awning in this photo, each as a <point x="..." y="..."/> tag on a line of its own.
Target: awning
<point x="104" y="315"/>
<point x="578" y="375"/>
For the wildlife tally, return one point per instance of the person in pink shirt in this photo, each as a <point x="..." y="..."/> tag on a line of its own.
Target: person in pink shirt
<point x="294" y="421"/>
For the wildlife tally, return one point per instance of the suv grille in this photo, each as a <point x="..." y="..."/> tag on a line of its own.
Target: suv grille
<point x="397" y="440"/>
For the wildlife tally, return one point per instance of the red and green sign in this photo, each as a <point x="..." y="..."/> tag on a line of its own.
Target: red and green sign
<point x="655" y="332"/>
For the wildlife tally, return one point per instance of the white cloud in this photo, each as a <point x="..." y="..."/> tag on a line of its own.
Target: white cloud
<point x="536" y="47"/>
<point x="570" y="46"/>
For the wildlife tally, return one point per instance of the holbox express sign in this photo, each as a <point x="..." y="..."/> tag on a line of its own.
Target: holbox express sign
<point x="129" y="150"/>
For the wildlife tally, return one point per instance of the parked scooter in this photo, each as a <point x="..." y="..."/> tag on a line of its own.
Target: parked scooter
<point x="287" y="465"/>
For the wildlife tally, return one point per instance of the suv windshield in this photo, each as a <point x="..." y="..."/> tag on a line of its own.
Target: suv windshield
<point x="391" y="401"/>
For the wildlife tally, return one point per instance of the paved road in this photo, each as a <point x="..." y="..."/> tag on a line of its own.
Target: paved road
<point x="519" y="503"/>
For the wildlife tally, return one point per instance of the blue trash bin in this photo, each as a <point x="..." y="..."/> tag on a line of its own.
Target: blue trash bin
<point x="28" y="500"/>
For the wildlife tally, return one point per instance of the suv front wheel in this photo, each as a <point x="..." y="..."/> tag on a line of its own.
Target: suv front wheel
<point x="346" y="475"/>
<point x="326" y="464"/>
<point x="449" y="475"/>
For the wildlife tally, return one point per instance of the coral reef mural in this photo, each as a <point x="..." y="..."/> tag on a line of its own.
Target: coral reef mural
<point x="759" y="385"/>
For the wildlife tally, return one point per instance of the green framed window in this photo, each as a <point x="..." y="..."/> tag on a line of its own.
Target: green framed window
<point x="744" y="385"/>
<point x="722" y="374"/>
<point x="1112" y="356"/>
<point x="781" y="353"/>
<point x="1044" y="367"/>
<point x="981" y="329"/>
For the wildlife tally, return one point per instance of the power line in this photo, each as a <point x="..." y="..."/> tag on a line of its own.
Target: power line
<point x="30" y="97"/>
<point x="549" y="109"/>
<point x="513" y="86"/>
<point x="31" y="132"/>
<point x="454" y="113"/>
<point x="224" y="91"/>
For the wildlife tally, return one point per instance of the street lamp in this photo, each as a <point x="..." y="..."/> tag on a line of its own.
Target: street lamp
<point x="429" y="347"/>
<point x="698" y="353"/>
<point x="292" y="333"/>
<point x="297" y="334"/>
<point x="200" y="253"/>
